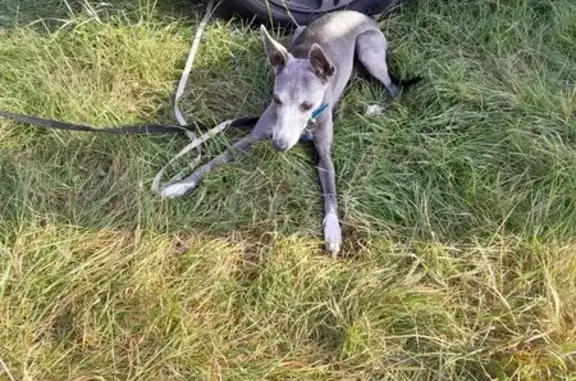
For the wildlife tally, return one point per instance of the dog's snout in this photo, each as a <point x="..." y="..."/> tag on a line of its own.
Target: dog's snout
<point x="280" y="145"/>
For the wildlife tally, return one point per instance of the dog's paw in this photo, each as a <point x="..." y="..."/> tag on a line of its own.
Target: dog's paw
<point x="177" y="190"/>
<point x="332" y="233"/>
<point x="182" y="187"/>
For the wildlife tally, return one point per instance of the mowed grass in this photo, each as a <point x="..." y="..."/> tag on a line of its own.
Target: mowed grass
<point x="458" y="205"/>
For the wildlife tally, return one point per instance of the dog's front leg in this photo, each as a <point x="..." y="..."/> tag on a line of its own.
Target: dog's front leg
<point x="260" y="131"/>
<point x="188" y="184"/>
<point x="323" y="137"/>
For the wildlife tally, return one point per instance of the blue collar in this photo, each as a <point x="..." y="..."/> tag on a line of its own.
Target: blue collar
<point x="316" y="114"/>
<point x="308" y="137"/>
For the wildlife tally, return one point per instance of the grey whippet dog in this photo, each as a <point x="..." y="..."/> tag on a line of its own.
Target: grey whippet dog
<point x="310" y="78"/>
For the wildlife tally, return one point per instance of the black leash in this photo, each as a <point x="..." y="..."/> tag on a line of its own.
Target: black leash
<point x="50" y="124"/>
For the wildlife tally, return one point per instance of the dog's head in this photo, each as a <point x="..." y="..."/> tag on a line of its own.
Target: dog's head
<point x="299" y="89"/>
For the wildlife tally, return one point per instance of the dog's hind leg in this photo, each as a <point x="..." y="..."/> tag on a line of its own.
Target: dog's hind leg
<point x="371" y="52"/>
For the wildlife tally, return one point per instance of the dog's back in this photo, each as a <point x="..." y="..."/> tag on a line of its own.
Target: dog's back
<point x="336" y="32"/>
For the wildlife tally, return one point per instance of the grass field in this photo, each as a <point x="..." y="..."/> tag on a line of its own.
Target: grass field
<point x="458" y="205"/>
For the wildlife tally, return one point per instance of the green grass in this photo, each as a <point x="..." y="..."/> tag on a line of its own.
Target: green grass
<point x="458" y="205"/>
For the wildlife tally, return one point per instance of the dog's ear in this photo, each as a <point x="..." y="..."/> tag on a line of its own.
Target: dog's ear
<point x="277" y="54"/>
<point x="321" y="63"/>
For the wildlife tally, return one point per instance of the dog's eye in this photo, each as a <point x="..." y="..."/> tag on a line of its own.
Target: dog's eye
<point x="276" y="99"/>
<point x="306" y="106"/>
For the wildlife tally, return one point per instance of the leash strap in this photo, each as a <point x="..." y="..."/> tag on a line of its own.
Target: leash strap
<point x="195" y="142"/>
<point x="57" y="125"/>
<point x="144" y="129"/>
<point x="190" y="62"/>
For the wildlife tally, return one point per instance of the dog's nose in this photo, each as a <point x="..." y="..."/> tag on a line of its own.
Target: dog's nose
<point x="279" y="145"/>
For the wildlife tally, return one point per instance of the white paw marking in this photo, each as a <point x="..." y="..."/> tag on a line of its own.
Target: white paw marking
<point x="177" y="189"/>
<point x="332" y="233"/>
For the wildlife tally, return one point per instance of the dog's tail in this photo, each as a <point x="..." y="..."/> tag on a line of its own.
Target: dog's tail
<point x="406" y="82"/>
